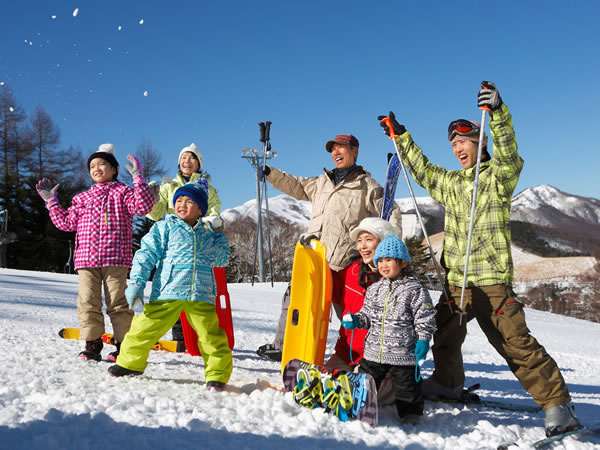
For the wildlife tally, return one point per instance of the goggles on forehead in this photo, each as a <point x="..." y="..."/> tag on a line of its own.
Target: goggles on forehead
<point x="462" y="127"/>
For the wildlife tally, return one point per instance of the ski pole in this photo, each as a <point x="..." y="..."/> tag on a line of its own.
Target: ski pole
<point x="471" y="222"/>
<point x="393" y="137"/>
<point x="258" y="225"/>
<point x="266" y="149"/>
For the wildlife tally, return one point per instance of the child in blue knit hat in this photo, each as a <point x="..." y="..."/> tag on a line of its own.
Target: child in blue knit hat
<point x="184" y="253"/>
<point x="400" y="317"/>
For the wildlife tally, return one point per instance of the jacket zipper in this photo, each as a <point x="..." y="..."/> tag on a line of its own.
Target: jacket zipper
<point x="193" y="266"/>
<point x="387" y="296"/>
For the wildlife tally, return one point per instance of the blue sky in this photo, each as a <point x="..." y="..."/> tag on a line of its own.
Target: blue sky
<point x="213" y="70"/>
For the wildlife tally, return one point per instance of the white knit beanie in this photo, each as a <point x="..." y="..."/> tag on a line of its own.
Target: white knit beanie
<point x="192" y="149"/>
<point x="376" y="226"/>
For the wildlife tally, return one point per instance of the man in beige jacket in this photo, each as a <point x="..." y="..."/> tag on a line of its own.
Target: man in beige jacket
<point x="340" y="199"/>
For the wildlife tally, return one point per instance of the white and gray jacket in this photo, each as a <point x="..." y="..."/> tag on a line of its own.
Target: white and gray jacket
<point x="397" y="313"/>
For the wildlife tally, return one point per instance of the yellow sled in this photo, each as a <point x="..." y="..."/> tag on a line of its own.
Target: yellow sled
<point x="107" y="338"/>
<point x="310" y="302"/>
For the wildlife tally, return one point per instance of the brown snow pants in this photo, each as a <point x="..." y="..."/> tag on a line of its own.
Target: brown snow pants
<point x="502" y="319"/>
<point x="89" y="302"/>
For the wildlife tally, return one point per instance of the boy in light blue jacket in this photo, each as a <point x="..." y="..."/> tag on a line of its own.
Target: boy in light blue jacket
<point x="184" y="253"/>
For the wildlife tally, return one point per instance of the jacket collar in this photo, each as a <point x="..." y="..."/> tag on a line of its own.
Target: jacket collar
<point x="353" y="173"/>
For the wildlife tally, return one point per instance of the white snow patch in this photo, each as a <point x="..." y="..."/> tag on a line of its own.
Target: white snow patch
<point x="50" y="399"/>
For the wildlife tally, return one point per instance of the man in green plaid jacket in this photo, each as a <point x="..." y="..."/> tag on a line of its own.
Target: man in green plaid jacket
<point x="488" y="297"/>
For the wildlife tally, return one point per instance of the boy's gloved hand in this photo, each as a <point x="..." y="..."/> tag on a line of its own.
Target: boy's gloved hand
<point x="135" y="169"/>
<point x="214" y="223"/>
<point x="421" y="349"/>
<point x="134" y="295"/>
<point x="305" y="238"/>
<point x="47" y="192"/>
<point x="350" y="321"/>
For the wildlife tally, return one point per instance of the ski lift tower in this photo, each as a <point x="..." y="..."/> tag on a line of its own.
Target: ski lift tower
<point x="257" y="159"/>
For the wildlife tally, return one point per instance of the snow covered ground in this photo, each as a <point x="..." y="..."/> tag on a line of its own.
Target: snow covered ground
<point x="50" y="399"/>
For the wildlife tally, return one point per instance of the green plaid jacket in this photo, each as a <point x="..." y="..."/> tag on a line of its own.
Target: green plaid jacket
<point x="490" y="261"/>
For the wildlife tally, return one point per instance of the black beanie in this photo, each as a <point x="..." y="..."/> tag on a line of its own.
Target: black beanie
<point x="106" y="152"/>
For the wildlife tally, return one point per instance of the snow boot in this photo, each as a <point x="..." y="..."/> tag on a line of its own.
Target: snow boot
<point x="118" y="371"/>
<point x="92" y="350"/>
<point x="215" y="386"/>
<point x="112" y="356"/>
<point x="411" y="419"/>
<point x="560" y="419"/>
<point x="270" y="352"/>
<point x="431" y="388"/>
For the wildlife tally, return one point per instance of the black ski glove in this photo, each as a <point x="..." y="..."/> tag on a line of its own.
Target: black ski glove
<point x="398" y="129"/>
<point x="263" y="172"/>
<point x="489" y="96"/>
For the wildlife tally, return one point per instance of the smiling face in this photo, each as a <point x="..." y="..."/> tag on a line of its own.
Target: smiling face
<point x="188" y="164"/>
<point x="101" y="171"/>
<point x="366" y="243"/>
<point x="466" y="152"/>
<point x="187" y="210"/>
<point x="343" y="156"/>
<point x="391" y="268"/>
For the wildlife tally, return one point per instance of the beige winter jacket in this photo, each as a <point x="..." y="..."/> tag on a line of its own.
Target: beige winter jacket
<point x="336" y="210"/>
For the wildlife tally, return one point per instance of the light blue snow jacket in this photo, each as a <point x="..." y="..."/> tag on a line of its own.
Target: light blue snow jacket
<point x="184" y="258"/>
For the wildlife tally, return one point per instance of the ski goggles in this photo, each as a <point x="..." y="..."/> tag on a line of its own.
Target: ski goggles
<point x="462" y="127"/>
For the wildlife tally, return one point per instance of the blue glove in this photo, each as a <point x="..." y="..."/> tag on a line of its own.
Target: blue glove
<point x="421" y="349"/>
<point x="134" y="294"/>
<point x="350" y="321"/>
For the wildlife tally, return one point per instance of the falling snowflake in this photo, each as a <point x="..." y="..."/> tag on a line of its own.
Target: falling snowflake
<point x="120" y="28"/>
<point x="1" y="83"/>
<point x="145" y="93"/>
<point x="54" y="17"/>
<point x="75" y="12"/>
<point x="11" y="109"/>
<point x="142" y="22"/>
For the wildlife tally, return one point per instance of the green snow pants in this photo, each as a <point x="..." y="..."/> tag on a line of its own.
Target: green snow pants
<point x="502" y="319"/>
<point x="158" y="318"/>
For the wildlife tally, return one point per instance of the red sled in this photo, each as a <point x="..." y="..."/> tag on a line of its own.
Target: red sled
<point x="223" y="306"/>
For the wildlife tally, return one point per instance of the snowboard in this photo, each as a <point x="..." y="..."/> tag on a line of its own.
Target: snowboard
<point x="391" y="181"/>
<point x="362" y="387"/>
<point x="549" y="440"/>
<point x="310" y="303"/>
<point x="107" y="338"/>
<point x="223" y="306"/>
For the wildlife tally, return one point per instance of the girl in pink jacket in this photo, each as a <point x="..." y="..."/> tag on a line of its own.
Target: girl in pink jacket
<point x="102" y="218"/>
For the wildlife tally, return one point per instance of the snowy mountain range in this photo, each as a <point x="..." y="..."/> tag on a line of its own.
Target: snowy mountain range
<point x="563" y="220"/>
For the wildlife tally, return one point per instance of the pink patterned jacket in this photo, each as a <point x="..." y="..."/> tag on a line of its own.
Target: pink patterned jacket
<point x="103" y="219"/>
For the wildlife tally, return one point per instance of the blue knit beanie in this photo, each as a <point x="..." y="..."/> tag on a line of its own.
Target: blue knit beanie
<point x="197" y="191"/>
<point x="392" y="247"/>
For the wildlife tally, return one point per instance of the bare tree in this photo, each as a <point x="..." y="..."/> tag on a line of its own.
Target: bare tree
<point x="150" y="160"/>
<point x="241" y="235"/>
<point x="44" y="137"/>
<point x="11" y="129"/>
